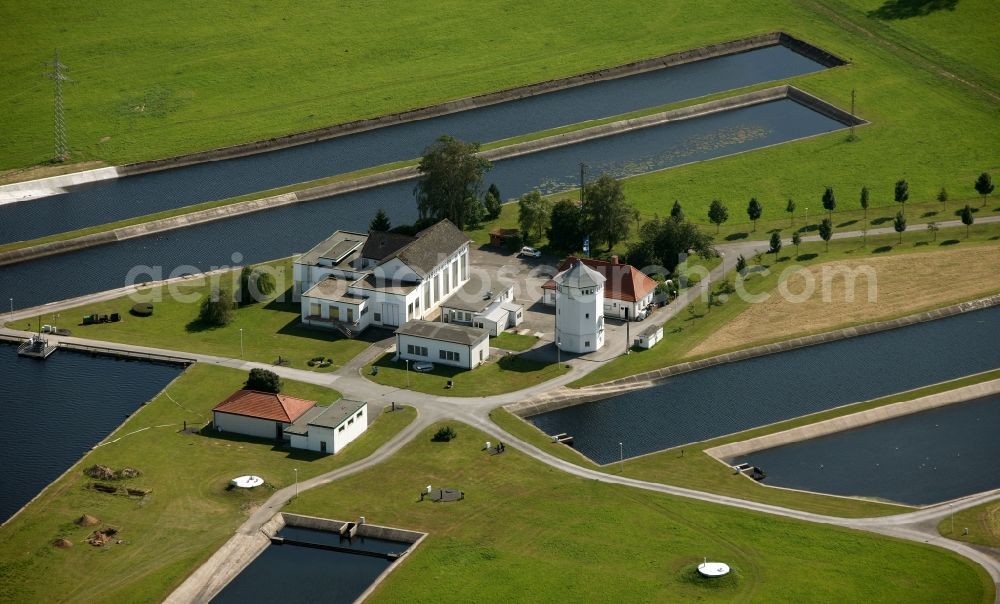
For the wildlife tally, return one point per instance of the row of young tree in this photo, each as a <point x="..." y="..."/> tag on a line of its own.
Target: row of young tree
<point x="718" y="213"/>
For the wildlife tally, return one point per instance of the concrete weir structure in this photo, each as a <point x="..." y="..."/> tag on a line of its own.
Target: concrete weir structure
<point x="229" y="561"/>
<point x="53" y="185"/>
<point x="758" y="97"/>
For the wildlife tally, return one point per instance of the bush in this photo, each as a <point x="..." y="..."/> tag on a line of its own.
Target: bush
<point x="143" y="309"/>
<point x="444" y="435"/>
<point x="217" y="308"/>
<point x="514" y="244"/>
<point x="264" y="381"/>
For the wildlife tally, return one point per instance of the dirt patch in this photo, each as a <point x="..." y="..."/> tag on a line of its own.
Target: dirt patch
<point x="102" y="537"/>
<point x="62" y="543"/>
<point x="99" y="472"/>
<point x="87" y="520"/>
<point x="46" y="170"/>
<point x="902" y="284"/>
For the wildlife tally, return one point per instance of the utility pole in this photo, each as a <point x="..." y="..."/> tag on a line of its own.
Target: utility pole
<point x="583" y="167"/>
<point x="57" y="75"/>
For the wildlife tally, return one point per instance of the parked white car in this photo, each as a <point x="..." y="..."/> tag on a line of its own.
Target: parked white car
<point x="530" y="251"/>
<point x="423" y="366"/>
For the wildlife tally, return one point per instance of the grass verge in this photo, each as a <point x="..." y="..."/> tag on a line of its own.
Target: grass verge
<point x="497" y="376"/>
<point x="526" y="531"/>
<point x="188" y="514"/>
<point x="982" y="523"/>
<point x="513" y="341"/>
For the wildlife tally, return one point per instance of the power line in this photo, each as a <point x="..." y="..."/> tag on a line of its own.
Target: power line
<point x="57" y="76"/>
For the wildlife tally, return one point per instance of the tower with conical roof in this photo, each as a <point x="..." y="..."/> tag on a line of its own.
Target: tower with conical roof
<point x="579" y="309"/>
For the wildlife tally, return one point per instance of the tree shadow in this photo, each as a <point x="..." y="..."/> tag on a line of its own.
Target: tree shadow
<point x="805" y="257"/>
<point x="197" y="325"/>
<point x="882" y="249"/>
<point x="848" y="223"/>
<point x="907" y="9"/>
<point x="928" y="214"/>
<point x="882" y="220"/>
<point x="735" y="236"/>
<point x="808" y="228"/>
<point x="920" y="243"/>
<point x="949" y="242"/>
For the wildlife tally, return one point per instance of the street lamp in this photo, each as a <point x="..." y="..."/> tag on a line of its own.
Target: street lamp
<point x="621" y="457"/>
<point x="296" y="470"/>
<point x="723" y="256"/>
<point x="241" y="342"/>
<point x="558" y="352"/>
<point x="12" y="309"/>
<point x="407" y="361"/>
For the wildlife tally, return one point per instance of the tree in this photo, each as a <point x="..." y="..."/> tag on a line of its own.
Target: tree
<point x="829" y="202"/>
<point x="902" y="193"/>
<point x="255" y="284"/>
<point x="741" y="264"/>
<point x="967" y="219"/>
<point x="942" y="196"/>
<point x="933" y="228"/>
<point x="451" y="175"/>
<point x="677" y="212"/>
<point x="607" y="215"/>
<point x="775" y="245"/>
<point x="717" y="213"/>
<point x="217" y="308"/>
<point x="826" y="231"/>
<point x="564" y="226"/>
<point x="754" y="211"/>
<point x="790" y="208"/>
<point x="984" y="185"/>
<point x="534" y="214"/>
<point x="661" y="242"/>
<point x="899" y="224"/>
<point x="263" y="380"/>
<point x="380" y="222"/>
<point x="796" y="241"/>
<point x="493" y="203"/>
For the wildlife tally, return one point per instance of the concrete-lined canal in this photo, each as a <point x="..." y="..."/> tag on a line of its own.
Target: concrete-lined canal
<point x="732" y="397"/>
<point x="918" y="459"/>
<point x="111" y="200"/>
<point x="295" y="228"/>
<point x="57" y="409"/>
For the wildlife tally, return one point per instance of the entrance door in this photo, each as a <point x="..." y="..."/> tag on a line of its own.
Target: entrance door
<point x="390" y="314"/>
<point x="278" y="432"/>
<point x="322" y="446"/>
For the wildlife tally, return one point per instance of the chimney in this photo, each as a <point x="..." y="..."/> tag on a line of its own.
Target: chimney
<point x="614" y="260"/>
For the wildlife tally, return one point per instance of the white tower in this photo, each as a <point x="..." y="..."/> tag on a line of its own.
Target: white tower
<point x="579" y="309"/>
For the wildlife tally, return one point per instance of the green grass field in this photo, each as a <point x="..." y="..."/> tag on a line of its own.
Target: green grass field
<point x="690" y="327"/>
<point x="187" y="516"/>
<point x="528" y="532"/>
<point x="513" y="341"/>
<point x="982" y="523"/>
<point x="697" y="470"/>
<point x="270" y="329"/>
<point x="497" y="376"/>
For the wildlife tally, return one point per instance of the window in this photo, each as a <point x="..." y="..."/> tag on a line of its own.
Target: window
<point x="449" y="355"/>
<point x="350" y="421"/>
<point x="480" y="355"/>
<point x="378" y="317"/>
<point x="409" y="348"/>
<point x="588" y="315"/>
<point x="340" y="429"/>
<point x="364" y="311"/>
<point x="359" y="414"/>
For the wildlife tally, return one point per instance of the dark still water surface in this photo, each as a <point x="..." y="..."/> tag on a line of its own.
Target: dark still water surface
<point x="111" y="200"/>
<point x="918" y="459"/>
<point x="286" y="230"/>
<point x="737" y="396"/>
<point x="57" y="409"/>
<point x="290" y="573"/>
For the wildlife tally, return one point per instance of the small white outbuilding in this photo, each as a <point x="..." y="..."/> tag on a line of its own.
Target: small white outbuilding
<point x="329" y="429"/>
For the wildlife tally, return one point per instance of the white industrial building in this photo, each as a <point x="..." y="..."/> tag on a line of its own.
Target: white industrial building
<point x="628" y="292"/>
<point x="329" y="429"/>
<point x="484" y="303"/>
<point x="353" y="280"/>
<point x="444" y="343"/>
<point x="579" y="297"/>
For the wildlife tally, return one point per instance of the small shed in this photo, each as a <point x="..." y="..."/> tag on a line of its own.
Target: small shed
<point x="502" y="237"/>
<point x="260" y="414"/>
<point x="648" y="337"/>
<point x="329" y="429"/>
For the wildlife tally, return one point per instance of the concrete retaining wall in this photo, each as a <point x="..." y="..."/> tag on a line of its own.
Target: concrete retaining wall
<point x="334" y="526"/>
<point x="678" y="58"/>
<point x="51" y="185"/>
<point x="567" y="397"/>
<point x="854" y="420"/>
<point x="407" y="173"/>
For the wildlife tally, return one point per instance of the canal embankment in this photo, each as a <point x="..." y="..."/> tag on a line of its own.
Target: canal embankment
<point x="568" y="397"/>
<point x="728" y="451"/>
<point x="54" y="185"/>
<point x="312" y="193"/>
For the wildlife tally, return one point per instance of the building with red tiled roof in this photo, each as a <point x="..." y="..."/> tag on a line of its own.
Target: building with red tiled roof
<point x="260" y="414"/>
<point x="626" y="288"/>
